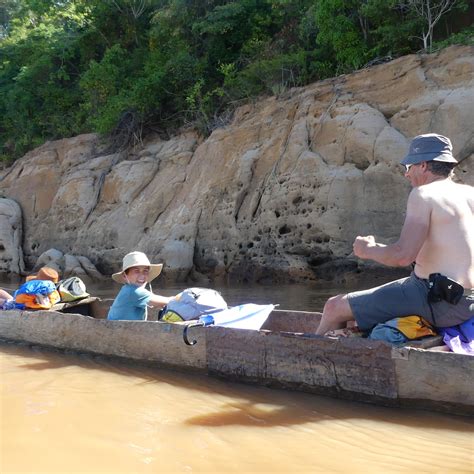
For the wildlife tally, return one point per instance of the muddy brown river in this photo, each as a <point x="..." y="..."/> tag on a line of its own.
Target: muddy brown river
<point x="72" y="413"/>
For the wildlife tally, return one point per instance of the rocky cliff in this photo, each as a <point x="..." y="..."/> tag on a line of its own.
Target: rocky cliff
<point x="278" y="194"/>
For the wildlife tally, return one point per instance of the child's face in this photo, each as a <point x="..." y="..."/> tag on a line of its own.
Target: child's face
<point x="137" y="275"/>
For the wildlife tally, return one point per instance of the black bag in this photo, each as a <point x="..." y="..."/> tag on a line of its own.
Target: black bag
<point x="443" y="288"/>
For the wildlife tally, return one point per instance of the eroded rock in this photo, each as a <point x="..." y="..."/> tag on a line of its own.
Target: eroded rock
<point x="69" y="265"/>
<point x="11" y="254"/>
<point x="278" y="194"/>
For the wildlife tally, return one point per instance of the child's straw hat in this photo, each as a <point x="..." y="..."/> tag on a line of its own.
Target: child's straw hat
<point x="137" y="259"/>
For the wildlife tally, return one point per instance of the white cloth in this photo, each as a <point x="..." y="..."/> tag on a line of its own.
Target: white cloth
<point x="244" y="316"/>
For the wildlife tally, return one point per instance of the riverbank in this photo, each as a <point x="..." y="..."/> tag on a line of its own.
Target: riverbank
<point x="277" y="195"/>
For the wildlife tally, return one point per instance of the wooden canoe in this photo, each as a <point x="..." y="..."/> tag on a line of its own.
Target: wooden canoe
<point x="285" y="353"/>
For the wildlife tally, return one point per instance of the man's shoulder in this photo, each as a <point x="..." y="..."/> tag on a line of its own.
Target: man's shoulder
<point x="452" y="189"/>
<point x="442" y="192"/>
<point x="442" y="187"/>
<point x="432" y="192"/>
<point x="423" y="192"/>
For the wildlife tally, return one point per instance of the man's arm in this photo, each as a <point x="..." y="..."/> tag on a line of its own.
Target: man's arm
<point x="413" y="235"/>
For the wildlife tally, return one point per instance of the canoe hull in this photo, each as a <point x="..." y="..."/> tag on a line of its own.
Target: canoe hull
<point x="349" y="368"/>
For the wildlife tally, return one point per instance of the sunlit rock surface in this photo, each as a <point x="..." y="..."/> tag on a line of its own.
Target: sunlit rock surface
<point x="278" y="194"/>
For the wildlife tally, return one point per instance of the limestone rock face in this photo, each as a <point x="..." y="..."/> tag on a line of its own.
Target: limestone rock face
<point x="278" y="194"/>
<point x="11" y="254"/>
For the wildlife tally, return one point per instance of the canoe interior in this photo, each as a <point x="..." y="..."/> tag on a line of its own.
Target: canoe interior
<point x="278" y="320"/>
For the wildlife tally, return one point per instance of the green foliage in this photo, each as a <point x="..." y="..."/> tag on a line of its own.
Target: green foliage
<point x="37" y="69"/>
<point x="392" y="29"/>
<point x="101" y="85"/>
<point x="464" y="37"/>
<point x="338" y="30"/>
<point x="122" y="66"/>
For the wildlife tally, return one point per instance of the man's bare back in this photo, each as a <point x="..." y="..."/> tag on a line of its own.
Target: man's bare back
<point x="449" y="245"/>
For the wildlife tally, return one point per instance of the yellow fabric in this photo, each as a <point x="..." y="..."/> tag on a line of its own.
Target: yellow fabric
<point x="414" y="327"/>
<point x="171" y="317"/>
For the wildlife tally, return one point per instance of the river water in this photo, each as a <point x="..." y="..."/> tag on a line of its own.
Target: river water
<point x="73" y="413"/>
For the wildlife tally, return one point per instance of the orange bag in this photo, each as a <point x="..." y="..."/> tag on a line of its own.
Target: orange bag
<point x="37" y="294"/>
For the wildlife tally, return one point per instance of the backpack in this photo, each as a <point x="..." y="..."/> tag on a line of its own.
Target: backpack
<point x="37" y="294"/>
<point x="192" y="303"/>
<point x="72" y="289"/>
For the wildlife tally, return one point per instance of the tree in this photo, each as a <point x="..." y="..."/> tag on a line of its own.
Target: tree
<point x="8" y="8"/>
<point x="75" y="66"/>
<point x="431" y="12"/>
<point x="343" y="28"/>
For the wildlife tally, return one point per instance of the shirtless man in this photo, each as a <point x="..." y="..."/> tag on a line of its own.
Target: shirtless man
<point x="438" y="235"/>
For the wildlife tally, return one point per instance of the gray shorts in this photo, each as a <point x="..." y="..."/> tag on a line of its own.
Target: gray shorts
<point x="406" y="297"/>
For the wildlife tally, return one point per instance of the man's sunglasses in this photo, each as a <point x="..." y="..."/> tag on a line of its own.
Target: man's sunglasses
<point x="407" y="167"/>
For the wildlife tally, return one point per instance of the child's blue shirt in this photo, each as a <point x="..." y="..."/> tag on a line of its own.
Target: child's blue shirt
<point x="130" y="303"/>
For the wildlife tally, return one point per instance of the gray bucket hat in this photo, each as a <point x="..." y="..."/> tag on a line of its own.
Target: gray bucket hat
<point x="429" y="147"/>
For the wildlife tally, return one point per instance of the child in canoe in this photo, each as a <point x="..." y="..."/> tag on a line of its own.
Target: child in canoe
<point x="132" y="301"/>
